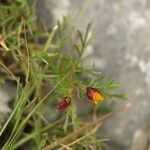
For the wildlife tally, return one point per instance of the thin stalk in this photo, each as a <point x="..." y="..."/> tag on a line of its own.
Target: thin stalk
<point x="77" y="132"/>
<point x="34" y="109"/>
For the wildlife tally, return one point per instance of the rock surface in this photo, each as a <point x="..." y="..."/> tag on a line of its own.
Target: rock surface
<point x="121" y="49"/>
<point x="141" y="139"/>
<point x="7" y="93"/>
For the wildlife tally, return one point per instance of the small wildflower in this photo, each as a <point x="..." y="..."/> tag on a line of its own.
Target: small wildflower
<point x="94" y="95"/>
<point x="64" y="103"/>
<point x="2" y="43"/>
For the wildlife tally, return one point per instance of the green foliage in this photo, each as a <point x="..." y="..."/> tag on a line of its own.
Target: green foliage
<point x="44" y="73"/>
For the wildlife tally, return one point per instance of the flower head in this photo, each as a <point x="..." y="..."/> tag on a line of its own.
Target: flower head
<point x="94" y="95"/>
<point x="2" y="43"/>
<point x="64" y="103"/>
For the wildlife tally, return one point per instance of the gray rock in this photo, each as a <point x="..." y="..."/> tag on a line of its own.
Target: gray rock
<point x="121" y="49"/>
<point x="7" y="93"/>
<point x="49" y="11"/>
<point x="141" y="140"/>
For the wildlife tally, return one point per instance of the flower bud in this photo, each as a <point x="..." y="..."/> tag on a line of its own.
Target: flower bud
<point x="64" y="103"/>
<point x="2" y="43"/>
<point x="94" y="95"/>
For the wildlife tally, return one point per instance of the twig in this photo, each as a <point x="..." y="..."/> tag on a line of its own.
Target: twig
<point x="84" y="137"/>
<point x="99" y="120"/>
<point x="65" y="146"/>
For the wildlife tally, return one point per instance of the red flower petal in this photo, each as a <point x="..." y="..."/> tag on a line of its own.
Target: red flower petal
<point x="90" y="91"/>
<point x="63" y="104"/>
<point x="94" y="95"/>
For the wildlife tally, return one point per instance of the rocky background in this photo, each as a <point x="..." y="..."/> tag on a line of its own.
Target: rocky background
<point x="120" y="49"/>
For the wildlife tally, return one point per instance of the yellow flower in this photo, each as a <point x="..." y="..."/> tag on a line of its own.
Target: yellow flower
<point x="94" y="95"/>
<point x="97" y="97"/>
